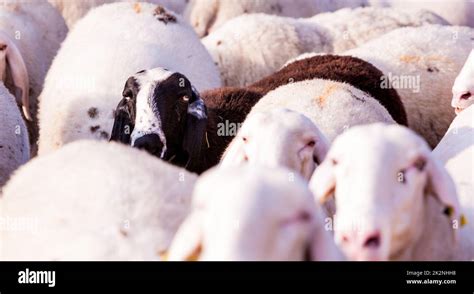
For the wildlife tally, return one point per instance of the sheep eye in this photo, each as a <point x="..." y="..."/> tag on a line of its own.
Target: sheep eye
<point x="186" y="98"/>
<point x="244" y="139"/>
<point x="420" y="164"/>
<point x="311" y="143"/>
<point x="315" y="159"/>
<point x="334" y="162"/>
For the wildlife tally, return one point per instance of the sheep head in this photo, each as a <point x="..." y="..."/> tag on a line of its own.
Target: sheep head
<point x="162" y="113"/>
<point x="252" y="213"/>
<point x="279" y="137"/>
<point x="463" y="88"/>
<point x="383" y="179"/>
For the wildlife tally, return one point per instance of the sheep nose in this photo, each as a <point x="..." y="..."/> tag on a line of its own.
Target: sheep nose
<point x="366" y="240"/>
<point x="150" y="143"/>
<point x="372" y="240"/>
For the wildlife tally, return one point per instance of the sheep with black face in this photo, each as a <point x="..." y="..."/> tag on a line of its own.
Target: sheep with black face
<point x="83" y="87"/>
<point x="162" y="113"/>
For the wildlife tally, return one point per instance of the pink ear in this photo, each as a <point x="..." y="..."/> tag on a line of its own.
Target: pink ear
<point x="323" y="181"/>
<point x="234" y="154"/>
<point x="323" y="247"/>
<point x="187" y="242"/>
<point x="443" y="187"/>
<point x="322" y="147"/>
<point x="19" y="73"/>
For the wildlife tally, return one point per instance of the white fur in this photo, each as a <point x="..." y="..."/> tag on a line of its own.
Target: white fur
<point x="430" y="56"/>
<point x="73" y="10"/>
<point x="110" y="44"/>
<point x="149" y="121"/>
<point x="386" y="183"/>
<point x="457" y="12"/>
<point x="251" y="47"/>
<point x="278" y="137"/>
<point x="330" y="105"/>
<point x="208" y="15"/>
<point x="463" y="88"/>
<point x="14" y="143"/>
<point x="93" y="201"/>
<point x="456" y="151"/>
<point x="253" y="213"/>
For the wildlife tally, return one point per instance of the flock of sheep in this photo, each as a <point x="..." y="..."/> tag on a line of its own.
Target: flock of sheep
<point x="236" y="130"/>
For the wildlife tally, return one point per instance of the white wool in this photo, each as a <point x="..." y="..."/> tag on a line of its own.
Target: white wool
<point x="332" y="106"/>
<point x="14" y="143"/>
<point x="278" y="137"/>
<point x="456" y="151"/>
<point x="73" y="10"/>
<point x="208" y="15"/>
<point x="457" y="12"/>
<point x="253" y="46"/>
<point x="253" y="213"/>
<point x="93" y="201"/>
<point x="387" y="184"/>
<point x="110" y="44"/>
<point x="421" y="73"/>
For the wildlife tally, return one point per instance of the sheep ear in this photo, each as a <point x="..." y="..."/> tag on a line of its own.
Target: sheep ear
<point x="323" y="182"/>
<point x="19" y="73"/>
<point x="196" y="124"/>
<point x="441" y="185"/>
<point x="321" y="149"/>
<point x="187" y="242"/>
<point x="124" y="121"/>
<point x="234" y="153"/>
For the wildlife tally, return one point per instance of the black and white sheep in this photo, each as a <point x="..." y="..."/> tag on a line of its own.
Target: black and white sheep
<point x="172" y="121"/>
<point x="108" y="45"/>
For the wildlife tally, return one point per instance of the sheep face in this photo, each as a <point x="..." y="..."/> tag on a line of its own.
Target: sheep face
<point x="279" y="137"/>
<point x="163" y="114"/>
<point x="251" y="213"/>
<point x="463" y="88"/>
<point x="379" y="175"/>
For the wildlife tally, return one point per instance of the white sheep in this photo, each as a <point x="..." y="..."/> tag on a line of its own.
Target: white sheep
<point x="14" y="142"/>
<point x="456" y="151"/>
<point x="74" y="10"/>
<point x="251" y="47"/>
<point x="332" y="106"/>
<point x="457" y="12"/>
<point x="253" y="213"/>
<point x="208" y="15"/>
<point x="394" y="199"/>
<point x="463" y="88"/>
<point x="278" y="137"/>
<point x="421" y="73"/>
<point x="106" y="47"/>
<point x="93" y="201"/>
<point x="33" y="32"/>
